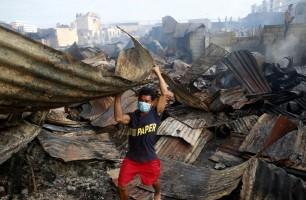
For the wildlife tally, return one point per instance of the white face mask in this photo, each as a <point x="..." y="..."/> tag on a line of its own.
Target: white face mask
<point x="143" y="106"/>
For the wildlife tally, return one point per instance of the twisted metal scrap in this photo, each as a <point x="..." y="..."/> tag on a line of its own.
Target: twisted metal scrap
<point x="35" y="77"/>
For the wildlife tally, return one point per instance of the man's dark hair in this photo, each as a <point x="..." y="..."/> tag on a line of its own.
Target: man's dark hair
<point x="147" y="92"/>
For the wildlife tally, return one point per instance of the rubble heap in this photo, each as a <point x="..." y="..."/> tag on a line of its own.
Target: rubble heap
<point x="233" y="129"/>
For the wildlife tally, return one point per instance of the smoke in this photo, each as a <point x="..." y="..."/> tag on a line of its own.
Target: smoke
<point x="285" y="47"/>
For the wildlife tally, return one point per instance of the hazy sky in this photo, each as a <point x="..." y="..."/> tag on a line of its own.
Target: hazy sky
<point x="46" y="13"/>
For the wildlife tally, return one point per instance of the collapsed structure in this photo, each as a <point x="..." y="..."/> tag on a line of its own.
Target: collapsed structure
<point x="257" y="107"/>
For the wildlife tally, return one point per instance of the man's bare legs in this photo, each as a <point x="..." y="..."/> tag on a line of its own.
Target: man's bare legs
<point x="156" y="186"/>
<point x="123" y="193"/>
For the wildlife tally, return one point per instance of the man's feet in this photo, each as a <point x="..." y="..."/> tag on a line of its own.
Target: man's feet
<point x="157" y="196"/>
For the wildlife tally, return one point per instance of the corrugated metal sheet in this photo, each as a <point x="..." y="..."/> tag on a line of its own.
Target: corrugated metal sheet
<point x="212" y="54"/>
<point x="14" y="139"/>
<point x="182" y="181"/>
<point x="134" y="64"/>
<point x="195" y="118"/>
<point x="256" y="138"/>
<point x="34" y="76"/>
<point x="129" y="104"/>
<point x="244" y="125"/>
<point x="228" y="153"/>
<point x="69" y="147"/>
<point x="290" y="148"/>
<point x="184" y="96"/>
<point x="172" y="127"/>
<point x="58" y="117"/>
<point x="281" y="127"/>
<point x="263" y="181"/>
<point x="234" y="97"/>
<point x="95" y="108"/>
<point x="177" y="149"/>
<point x="247" y="72"/>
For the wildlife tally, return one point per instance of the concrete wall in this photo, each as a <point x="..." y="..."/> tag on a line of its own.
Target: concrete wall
<point x="197" y="43"/>
<point x="66" y="36"/>
<point x="225" y="39"/>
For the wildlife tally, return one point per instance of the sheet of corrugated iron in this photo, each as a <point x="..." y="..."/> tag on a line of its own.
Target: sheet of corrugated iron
<point x="282" y="126"/>
<point x="34" y="76"/>
<point x="260" y="130"/>
<point x="291" y="147"/>
<point x="184" y="96"/>
<point x="58" y="117"/>
<point x="95" y="108"/>
<point x="244" y="125"/>
<point x="182" y="181"/>
<point x="228" y="153"/>
<point x="15" y="138"/>
<point x="246" y="70"/>
<point x="179" y="150"/>
<point x="211" y="55"/>
<point x="134" y="64"/>
<point x="129" y="104"/>
<point x="69" y="147"/>
<point x="266" y="181"/>
<point x="172" y="127"/>
<point x="195" y="118"/>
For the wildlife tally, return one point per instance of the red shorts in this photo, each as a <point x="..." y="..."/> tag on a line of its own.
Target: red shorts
<point x="149" y="171"/>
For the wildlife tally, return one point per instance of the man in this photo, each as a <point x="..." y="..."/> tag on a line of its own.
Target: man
<point x="141" y="157"/>
<point x="288" y="19"/>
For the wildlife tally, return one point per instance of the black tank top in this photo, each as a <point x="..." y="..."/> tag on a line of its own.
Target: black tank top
<point x="142" y="135"/>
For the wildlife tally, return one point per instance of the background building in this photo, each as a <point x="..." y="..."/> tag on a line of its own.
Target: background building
<point x="23" y="27"/>
<point x="65" y="35"/>
<point x="88" y="29"/>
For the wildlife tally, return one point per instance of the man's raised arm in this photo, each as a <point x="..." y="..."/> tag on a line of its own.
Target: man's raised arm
<point x="120" y="117"/>
<point x="162" y="101"/>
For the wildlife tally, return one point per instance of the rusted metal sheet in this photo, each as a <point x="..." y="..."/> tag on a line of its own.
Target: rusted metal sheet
<point x="81" y="53"/>
<point x="182" y="181"/>
<point x="228" y="153"/>
<point x="184" y="96"/>
<point x="266" y="181"/>
<point x="179" y="150"/>
<point x="281" y="127"/>
<point x="93" y="109"/>
<point x="134" y="64"/>
<point x="70" y="146"/>
<point x="243" y="125"/>
<point x="195" y="118"/>
<point x="234" y="97"/>
<point x="172" y="127"/>
<point x="290" y="147"/>
<point x="259" y="132"/>
<point x="246" y="70"/>
<point x="34" y="76"/>
<point x="129" y="104"/>
<point x="100" y="61"/>
<point x="211" y="56"/>
<point x="58" y="117"/>
<point x="14" y="139"/>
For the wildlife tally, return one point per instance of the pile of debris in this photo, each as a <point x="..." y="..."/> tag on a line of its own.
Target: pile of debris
<point x="234" y="128"/>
